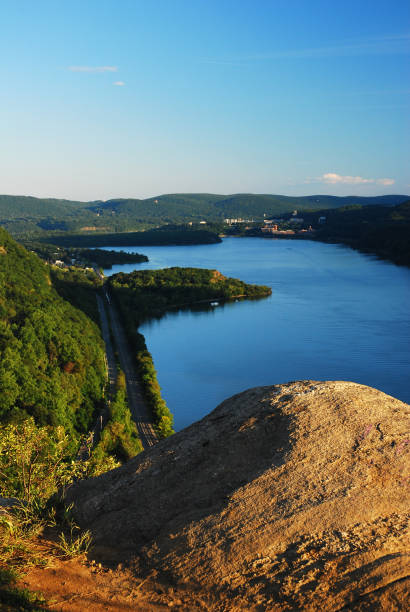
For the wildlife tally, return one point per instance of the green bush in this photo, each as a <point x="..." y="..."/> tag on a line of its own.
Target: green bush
<point x="35" y="462"/>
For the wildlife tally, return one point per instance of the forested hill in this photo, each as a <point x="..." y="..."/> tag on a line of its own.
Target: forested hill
<point x="382" y="230"/>
<point x="51" y="354"/>
<point x="18" y="206"/>
<point x="24" y="215"/>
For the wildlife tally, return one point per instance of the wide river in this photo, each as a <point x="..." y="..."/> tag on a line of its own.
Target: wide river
<point x="334" y="314"/>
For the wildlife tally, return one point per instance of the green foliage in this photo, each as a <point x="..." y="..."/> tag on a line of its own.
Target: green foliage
<point x="151" y="389"/>
<point x="119" y="439"/>
<point x="157" y="237"/>
<point x="78" y="287"/>
<point x="51" y="355"/>
<point x="73" y="544"/>
<point x="27" y="215"/>
<point x="102" y="258"/>
<point x="27" y="206"/>
<point x="255" y="206"/>
<point x="35" y="462"/>
<point x="18" y="529"/>
<point x="382" y="230"/>
<point x="107" y="259"/>
<point x="150" y="292"/>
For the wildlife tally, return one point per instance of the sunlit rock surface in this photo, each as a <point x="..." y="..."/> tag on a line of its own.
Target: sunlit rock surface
<point x="285" y="497"/>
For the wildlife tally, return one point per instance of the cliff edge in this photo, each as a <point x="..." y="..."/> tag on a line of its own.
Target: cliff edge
<point x="287" y="497"/>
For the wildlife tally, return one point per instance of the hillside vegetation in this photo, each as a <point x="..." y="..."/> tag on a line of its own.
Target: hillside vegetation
<point x="51" y="354"/>
<point x="82" y="257"/>
<point x="382" y="230"/>
<point x="52" y="382"/>
<point x="24" y="216"/>
<point x="156" y="237"/>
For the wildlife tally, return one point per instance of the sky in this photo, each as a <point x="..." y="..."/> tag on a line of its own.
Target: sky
<point x="135" y="98"/>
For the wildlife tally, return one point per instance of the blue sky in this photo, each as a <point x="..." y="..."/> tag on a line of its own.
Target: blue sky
<point x="104" y="98"/>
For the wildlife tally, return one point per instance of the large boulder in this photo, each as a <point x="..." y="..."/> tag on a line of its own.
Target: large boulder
<point x="285" y="497"/>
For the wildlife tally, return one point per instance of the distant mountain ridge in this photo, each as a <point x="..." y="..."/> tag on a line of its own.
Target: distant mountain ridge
<point x="21" y="214"/>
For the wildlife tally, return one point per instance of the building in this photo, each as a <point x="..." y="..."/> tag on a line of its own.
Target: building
<point x="296" y="220"/>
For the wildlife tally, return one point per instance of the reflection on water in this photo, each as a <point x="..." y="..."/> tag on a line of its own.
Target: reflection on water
<point x="334" y="314"/>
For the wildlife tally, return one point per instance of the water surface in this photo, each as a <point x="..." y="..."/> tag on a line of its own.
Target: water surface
<point x="334" y="314"/>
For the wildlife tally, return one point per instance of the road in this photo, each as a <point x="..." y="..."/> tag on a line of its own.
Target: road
<point x="136" y="403"/>
<point x="95" y="432"/>
<point x="109" y="351"/>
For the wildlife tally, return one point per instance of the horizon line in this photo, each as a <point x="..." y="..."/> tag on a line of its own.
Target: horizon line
<point x="239" y="193"/>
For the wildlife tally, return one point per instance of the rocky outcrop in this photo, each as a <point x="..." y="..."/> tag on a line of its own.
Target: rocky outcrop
<point x="285" y="497"/>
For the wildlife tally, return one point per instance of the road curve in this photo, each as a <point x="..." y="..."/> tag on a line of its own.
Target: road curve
<point x="136" y="403"/>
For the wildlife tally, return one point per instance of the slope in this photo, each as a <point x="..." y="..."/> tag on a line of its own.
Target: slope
<point x="51" y="354"/>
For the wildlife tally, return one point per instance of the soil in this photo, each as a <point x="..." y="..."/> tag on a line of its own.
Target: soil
<point x="78" y="585"/>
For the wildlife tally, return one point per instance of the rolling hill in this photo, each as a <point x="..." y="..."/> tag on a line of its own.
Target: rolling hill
<point x="22" y="215"/>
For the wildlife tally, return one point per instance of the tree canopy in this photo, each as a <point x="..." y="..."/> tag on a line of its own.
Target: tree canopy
<point x="149" y="292"/>
<point x="51" y="354"/>
<point x="28" y="216"/>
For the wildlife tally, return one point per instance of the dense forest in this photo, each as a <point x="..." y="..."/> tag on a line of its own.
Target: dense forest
<point x="28" y="216"/>
<point x="78" y="286"/>
<point x="148" y="293"/>
<point x="156" y="237"/>
<point x="51" y="354"/>
<point x="104" y="258"/>
<point x="101" y="258"/>
<point x="382" y="230"/>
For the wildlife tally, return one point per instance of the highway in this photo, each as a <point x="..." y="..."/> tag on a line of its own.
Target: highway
<point x="136" y="403"/>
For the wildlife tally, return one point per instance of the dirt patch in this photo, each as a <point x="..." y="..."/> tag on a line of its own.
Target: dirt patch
<point x="217" y="277"/>
<point x="77" y="585"/>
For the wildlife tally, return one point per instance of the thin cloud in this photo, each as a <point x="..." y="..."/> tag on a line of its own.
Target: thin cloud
<point x="119" y="83"/>
<point x="385" y="181"/>
<point x="332" y="178"/>
<point x="397" y="44"/>
<point x="221" y="62"/>
<point x="94" y="69"/>
<point x="394" y="45"/>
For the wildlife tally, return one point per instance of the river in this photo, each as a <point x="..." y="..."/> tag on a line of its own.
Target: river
<point x="334" y="314"/>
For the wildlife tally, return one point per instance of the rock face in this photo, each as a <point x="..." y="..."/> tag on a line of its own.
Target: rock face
<point x="285" y="497"/>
